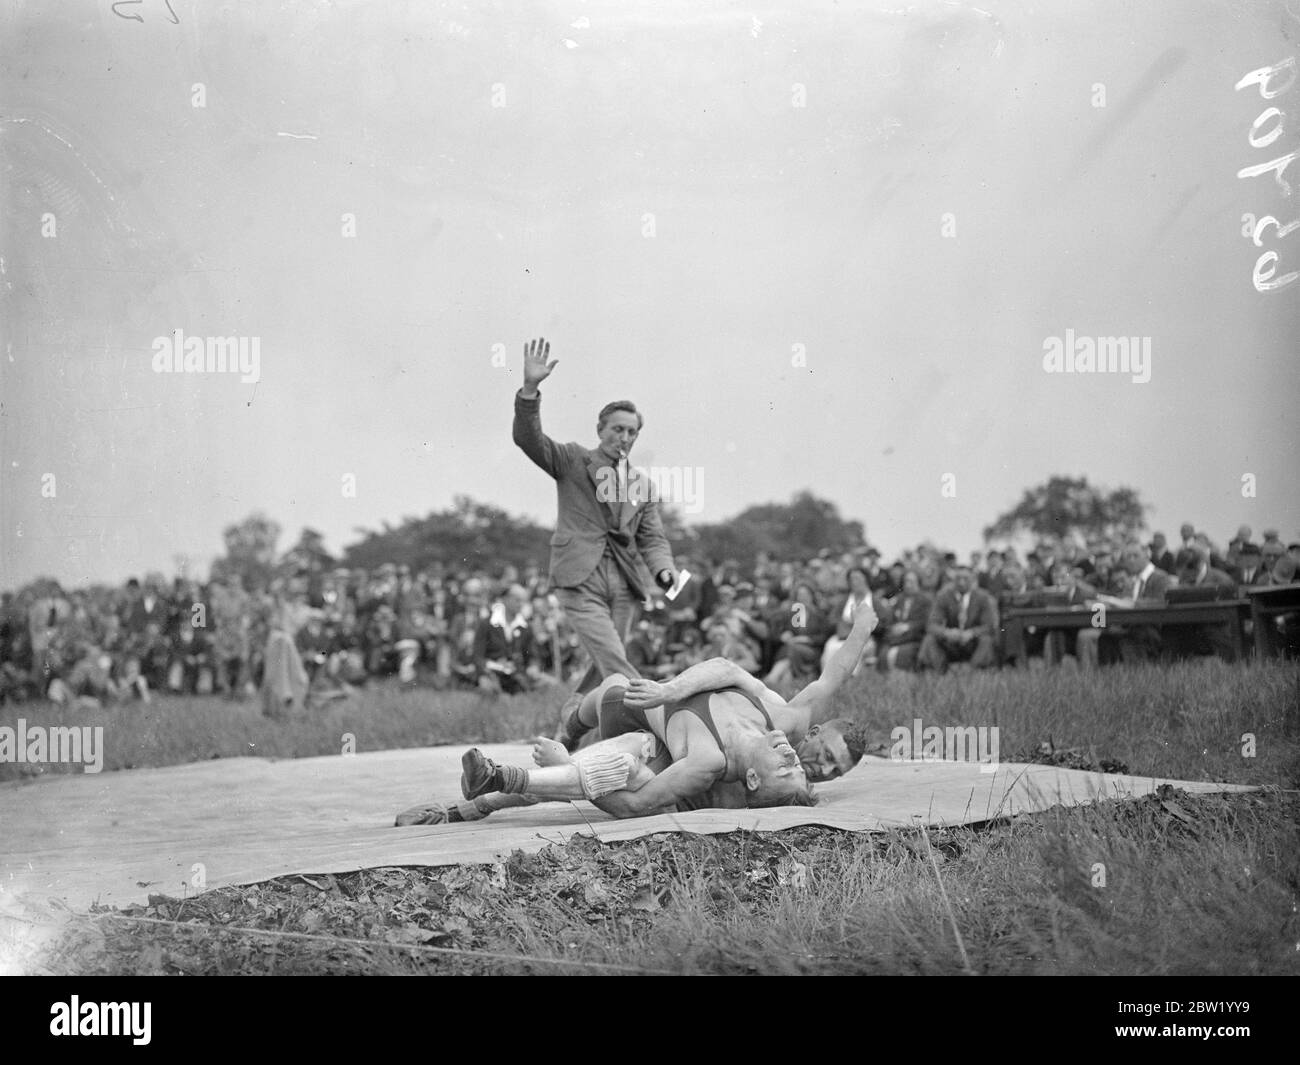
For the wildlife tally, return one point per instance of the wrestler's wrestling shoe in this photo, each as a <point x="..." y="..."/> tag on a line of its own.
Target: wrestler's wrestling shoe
<point x="479" y="774"/>
<point x="434" y="813"/>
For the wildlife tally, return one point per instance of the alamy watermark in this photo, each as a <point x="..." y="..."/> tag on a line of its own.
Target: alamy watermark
<point x="181" y="354"/>
<point x="973" y="743"/>
<point x="47" y="744"/>
<point x="79" y="1018"/>
<point x="1072" y="354"/>
<point x="622" y="483"/>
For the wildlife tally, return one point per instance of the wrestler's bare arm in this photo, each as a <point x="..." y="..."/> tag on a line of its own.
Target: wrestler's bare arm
<point x="710" y="675"/>
<point x="678" y="782"/>
<point x="810" y="707"/>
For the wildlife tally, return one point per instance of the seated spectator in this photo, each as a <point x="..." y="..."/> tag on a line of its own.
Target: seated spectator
<point x="1187" y="640"/>
<point x="1250" y="570"/>
<point x="1018" y="646"/>
<point x="189" y="669"/>
<point x="989" y="575"/>
<point x="803" y="632"/>
<point x="1161" y="556"/>
<point x="724" y="601"/>
<point x="1069" y="584"/>
<point x="1236" y="546"/>
<point x="858" y="589"/>
<point x="554" y="646"/>
<point x="1288" y="624"/>
<point x="89" y="683"/>
<point x="892" y="586"/>
<point x="723" y="643"/>
<point x="380" y="640"/>
<point x="689" y="652"/>
<point x="1133" y="643"/>
<point x="963" y="626"/>
<point x="647" y="650"/>
<point x="1272" y="553"/>
<point x="748" y="622"/>
<point x="878" y="579"/>
<point x="502" y="644"/>
<point x="901" y="640"/>
<point x="1197" y="572"/>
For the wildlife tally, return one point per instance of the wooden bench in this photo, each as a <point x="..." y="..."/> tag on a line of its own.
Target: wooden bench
<point x="1266" y="603"/>
<point x="1231" y="612"/>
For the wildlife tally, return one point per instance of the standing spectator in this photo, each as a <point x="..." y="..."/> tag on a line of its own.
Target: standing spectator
<point x="231" y="611"/>
<point x="284" y="677"/>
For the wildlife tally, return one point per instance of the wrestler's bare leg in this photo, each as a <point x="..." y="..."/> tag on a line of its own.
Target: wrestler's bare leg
<point x="546" y="754"/>
<point x="586" y="715"/>
<point x="610" y="765"/>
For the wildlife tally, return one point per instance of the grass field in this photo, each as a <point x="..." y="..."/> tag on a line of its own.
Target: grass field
<point x="1170" y="884"/>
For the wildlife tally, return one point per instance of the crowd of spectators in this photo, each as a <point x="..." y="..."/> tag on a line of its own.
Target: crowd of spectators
<point x="504" y="632"/>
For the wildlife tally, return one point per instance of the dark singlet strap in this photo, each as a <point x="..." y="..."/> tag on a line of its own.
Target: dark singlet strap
<point x="767" y="718"/>
<point x="698" y="704"/>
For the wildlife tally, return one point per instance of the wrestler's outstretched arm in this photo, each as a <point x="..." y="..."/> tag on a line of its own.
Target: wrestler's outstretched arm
<point x="812" y="705"/>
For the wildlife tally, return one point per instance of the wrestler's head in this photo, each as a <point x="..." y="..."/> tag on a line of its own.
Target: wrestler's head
<point x="831" y="749"/>
<point x="617" y="426"/>
<point x="772" y="773"/>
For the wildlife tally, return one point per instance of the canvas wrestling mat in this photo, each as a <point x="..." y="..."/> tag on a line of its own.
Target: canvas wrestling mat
<point x="115" y="838"/>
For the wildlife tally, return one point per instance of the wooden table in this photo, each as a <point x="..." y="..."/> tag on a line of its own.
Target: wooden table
<point x="1266" y="603"/>
<point x="1231" y="612"/>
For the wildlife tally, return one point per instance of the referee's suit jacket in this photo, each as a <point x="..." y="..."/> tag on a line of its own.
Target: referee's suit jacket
<point x="584" y="523"/>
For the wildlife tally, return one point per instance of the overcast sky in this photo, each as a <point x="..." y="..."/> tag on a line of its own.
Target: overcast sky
<point x="638" y="182"/>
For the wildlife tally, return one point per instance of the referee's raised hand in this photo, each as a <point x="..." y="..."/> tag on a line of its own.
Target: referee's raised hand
<point x="536" y="368"/>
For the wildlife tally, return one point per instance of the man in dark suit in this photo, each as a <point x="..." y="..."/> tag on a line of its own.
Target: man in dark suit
<point x="1203" y="639"/>
<point x="1135" y="643"/>
<point x="963" y="625"/>
<point x="503" y="644"/>
<point x="1160" y="553"/>
<point x="606" y="531"/>
<point x="1250" y="570"/>
<point x="143" y="608"/>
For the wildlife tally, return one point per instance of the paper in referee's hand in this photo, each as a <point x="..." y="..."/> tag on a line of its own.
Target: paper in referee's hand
<point x="675" y="590"/>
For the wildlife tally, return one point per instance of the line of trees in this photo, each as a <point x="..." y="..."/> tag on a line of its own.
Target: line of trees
<point x="480" y="535"/>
